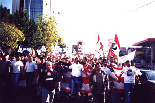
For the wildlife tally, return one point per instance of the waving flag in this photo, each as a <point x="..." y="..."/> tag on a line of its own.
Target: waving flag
<point x="98" y="39"/>
<point x="115" y="47"/>
<point x="99" y="44"/>
<point x="124" y="58"/>
<point x="32" y="52"/>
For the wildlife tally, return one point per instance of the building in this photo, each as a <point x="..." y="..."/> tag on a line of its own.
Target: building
<point x="42" y="7"/>
<point x="15" y="5"/>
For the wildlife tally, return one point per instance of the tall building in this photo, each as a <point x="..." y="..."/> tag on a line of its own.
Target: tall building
<point x="15" y="5"/>
<point x="42" y="7"/>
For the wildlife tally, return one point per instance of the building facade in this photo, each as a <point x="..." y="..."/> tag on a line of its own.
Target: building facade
<point x="42" y="7"/>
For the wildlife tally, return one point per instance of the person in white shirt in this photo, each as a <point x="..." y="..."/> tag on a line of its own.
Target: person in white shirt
<point x="31" y="69"/>
<point x="109" y="73"/>
<point x="129" y="80"/>
<point x="107" y="70"/>
<point x="16" y="66"/>
<point x="76" y="78"/>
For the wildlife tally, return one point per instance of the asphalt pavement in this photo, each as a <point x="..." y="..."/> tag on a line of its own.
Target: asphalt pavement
<point x="24" y="96"/>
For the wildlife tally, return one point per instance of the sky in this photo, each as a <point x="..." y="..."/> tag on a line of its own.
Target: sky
<point x="7" y="3"/>
<point x="132" y="20"/>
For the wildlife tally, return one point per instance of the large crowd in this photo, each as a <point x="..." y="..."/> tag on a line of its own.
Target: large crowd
<point x="99" y="75"/>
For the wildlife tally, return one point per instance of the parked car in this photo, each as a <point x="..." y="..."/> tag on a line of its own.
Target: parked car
<point x="145" y="91"/>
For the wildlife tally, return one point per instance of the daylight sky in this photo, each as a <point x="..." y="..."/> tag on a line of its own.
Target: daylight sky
<point x="132" y="20"/>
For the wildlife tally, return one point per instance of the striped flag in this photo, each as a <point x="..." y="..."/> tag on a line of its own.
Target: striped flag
<point x="115" y="47"/>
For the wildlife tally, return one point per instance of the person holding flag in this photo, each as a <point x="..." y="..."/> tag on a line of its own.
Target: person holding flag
<point x="116" y="88"/>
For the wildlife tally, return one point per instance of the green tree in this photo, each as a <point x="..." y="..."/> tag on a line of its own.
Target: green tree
<point x="47" y="32"/>
<point x="5" y="15"/>
<point x="60" y="41"/>
<point x="26" y="25"/>
<point x="10" y="35"/>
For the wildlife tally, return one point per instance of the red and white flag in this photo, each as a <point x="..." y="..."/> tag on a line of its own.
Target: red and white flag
<point x="115" y="47"/>
<point x="32" y="52"/>
<point x="98" y="39"/>
<point x="99" y="44"/>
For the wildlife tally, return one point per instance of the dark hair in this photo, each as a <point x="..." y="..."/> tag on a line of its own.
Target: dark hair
<point x="85" y="58"/>
<point x="104" y="60"/>
<point x="111" y="57"/>
<point x="97" y="64"/>
<point x="127" y="61"/>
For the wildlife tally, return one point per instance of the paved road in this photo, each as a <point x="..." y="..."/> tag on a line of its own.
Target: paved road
<point x="31" y="97"/>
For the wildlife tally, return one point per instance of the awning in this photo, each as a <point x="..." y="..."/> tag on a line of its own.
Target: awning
<point x="147" y="42"/>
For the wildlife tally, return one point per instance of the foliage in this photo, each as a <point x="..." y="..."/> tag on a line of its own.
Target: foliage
<point x="42" y="32"/>
<point x="46" y="32"/>
<point x="60" y="42"/>
<point x="26" y="25"/>
<point x="10" y="35"/>
<point x="5" y="15"/>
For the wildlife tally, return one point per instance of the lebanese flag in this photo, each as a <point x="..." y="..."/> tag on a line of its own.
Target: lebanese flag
<point x="99" y="44"/>
<point x="124" y="58"/>
<point x="98" y="39"/>
<point x="115" y="47"/>
<point x="33" y="52"/>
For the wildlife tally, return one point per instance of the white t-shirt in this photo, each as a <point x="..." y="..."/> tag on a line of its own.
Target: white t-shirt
<point x="16" y="66"/>
<point x="108" y="72"/>
<point x="30" y="66"/>
<point x="76" y="69"/>
<point x="129" y="74"/>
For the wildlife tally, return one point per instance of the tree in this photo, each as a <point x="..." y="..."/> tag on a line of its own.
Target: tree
<point x="21" y="20"/>
<point x="10" y="35"/>
<point x="5" y="15"/>
<point x="47" y="32"/>
<point x="60" y="41"/>
<point x="26" y="25"/>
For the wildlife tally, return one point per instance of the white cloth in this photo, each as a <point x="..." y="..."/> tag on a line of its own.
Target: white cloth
<point x="108" y="72"/>
<point x="129" y="74"/>
<point x="76" y="69"/>
<point x="30" y="66"/>
<point x="16" y="66"/>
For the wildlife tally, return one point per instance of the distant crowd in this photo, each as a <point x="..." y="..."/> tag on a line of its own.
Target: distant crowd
<point x="98" y="77"/>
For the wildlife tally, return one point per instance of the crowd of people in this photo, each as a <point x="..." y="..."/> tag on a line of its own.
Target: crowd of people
<point x="100" y="74"/>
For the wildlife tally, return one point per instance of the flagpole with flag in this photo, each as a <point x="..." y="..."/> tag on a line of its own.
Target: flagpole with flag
<point x="115" y="47"/>
<point x="99" y="47"/>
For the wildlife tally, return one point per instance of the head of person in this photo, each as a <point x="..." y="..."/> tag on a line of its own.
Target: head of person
<point x="66" y="60"/>
<point x="111" y="59"/>
<point x="127" y="63"/>
<point x="42" y="59"/>
<point x="104" y="62"/>
<point x="98" y="66"/>
<point x="6" y="57"/>
<point x="13" y="58"/>
<point x="84" y="59"/>
<point x="48" y="66"/>
<point x="115" y="60"/>
<point x="59" y="64"/>
<point x="49" y="59"/>
<point x="22" y="57"/>
<point x="18" y="58"/>
<point x="95" y="60"/>
<point x="30" y="58"/>
<point x="76" y="60"/>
